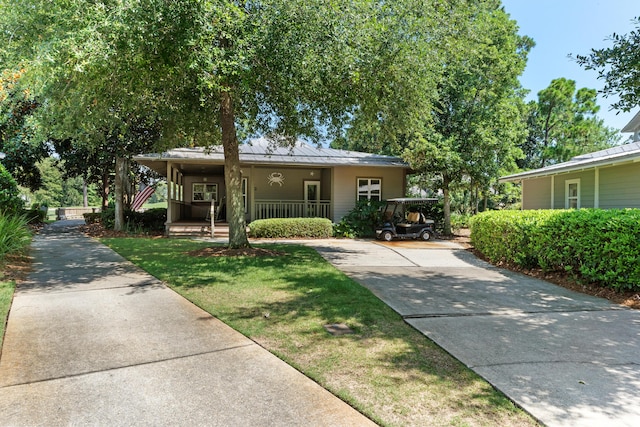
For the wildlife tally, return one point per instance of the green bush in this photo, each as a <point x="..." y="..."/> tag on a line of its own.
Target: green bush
<point x="149" y="220"/>
<point x="10" y="201"/>
<point x="34" y="216"/>
<point x="600" y="246"/>
<point x="15" y="235"/>
<point x="360" y="221"/>
<point x="92" y="217"/>
<point x="285" y="228"/>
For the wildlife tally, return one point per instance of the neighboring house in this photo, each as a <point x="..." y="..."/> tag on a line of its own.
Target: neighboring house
<point x="303" y="181"/>
<point x="605" y="179"/>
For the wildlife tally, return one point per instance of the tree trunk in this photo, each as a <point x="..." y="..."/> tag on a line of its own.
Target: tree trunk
<point x="232" y="175"/>
<point x="85" y="196"/>
<point x="447" y="207"/>
<point x="105" y="191"/>
<point x="121" y="171"/>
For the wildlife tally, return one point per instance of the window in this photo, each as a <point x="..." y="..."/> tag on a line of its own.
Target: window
<point x="244" y="194"/>
<point x="369" y="189"/>
<point x="572" y="192"/>
<point x="205" y="192"/>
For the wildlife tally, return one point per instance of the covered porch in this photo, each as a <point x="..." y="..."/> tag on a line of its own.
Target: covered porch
<point x="277" y="182"/>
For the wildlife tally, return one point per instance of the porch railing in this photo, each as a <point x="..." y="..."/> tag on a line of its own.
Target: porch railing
<point x="292" y="209"/>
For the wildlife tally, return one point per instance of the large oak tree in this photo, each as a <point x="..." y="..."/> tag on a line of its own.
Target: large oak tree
<point x="219" y="71"/>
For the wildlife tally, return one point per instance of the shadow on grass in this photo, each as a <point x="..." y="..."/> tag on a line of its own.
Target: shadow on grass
<point x="286" y="300"/>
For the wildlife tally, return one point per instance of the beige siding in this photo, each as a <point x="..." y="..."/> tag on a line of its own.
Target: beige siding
<point x="536" y="193"/>
<point x="345" y="191"/>
<point x="620" y="186"/>
<point x="290" y="187"/>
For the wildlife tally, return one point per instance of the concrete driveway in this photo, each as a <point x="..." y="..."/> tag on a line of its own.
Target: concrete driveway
<point x="567" y="358"/>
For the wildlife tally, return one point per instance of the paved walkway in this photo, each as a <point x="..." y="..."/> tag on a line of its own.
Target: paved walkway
<point x="567" y="358"/>
<point x="93" y="340"/>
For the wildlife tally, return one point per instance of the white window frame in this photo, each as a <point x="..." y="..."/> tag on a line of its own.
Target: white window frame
<point x="370" y="193"/>
<point x="245" y="188"/>
<point x="205" y="191"/>
<point x="569" y="198"/>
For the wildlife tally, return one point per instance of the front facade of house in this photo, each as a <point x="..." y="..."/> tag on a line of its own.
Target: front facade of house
<point x="606" y="179"/>
<point x="303" y="181"/>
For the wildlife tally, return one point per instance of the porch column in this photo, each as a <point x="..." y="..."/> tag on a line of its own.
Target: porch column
<point x="553" y="191"/>
<point x="252" y="193"/>
<point x="170" y="192"/>
<point x="596" y="194"/>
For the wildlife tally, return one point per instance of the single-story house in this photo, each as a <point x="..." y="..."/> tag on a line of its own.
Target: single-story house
<point x="277" y="182"/>
<point x="605" y="179"/>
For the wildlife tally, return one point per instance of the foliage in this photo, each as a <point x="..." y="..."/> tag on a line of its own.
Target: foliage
<point x="35" y="215"/>
<point x="360" y="221"/>
<point x="10" y="201"/>
<point x="469" y="137"/>
<point x="563" y="124"/>
<point x="619" y="67"/>
<point x="14" y="234"/>
<point x="93" y="217"/>
<point x="18" y="139"/>
<point x="149" y="220"/>
<point x="282" y="302"/>
<point x="596" y="245"/>
<point x="320" y="228"/>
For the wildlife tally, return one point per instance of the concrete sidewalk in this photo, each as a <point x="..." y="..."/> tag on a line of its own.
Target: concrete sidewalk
<point x="568" y="359"/>
<point x="93" y="340"/>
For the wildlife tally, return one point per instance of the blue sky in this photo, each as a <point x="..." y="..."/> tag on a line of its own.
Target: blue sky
<point x="563" y="27"/>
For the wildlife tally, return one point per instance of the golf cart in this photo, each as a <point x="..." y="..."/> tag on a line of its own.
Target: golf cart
<point x="405" y="219"/>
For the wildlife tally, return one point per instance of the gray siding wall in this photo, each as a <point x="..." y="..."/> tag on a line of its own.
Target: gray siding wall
<point x="620" y="186"/>
<point x="345" y="191"/>
<point x="536" y="193"/>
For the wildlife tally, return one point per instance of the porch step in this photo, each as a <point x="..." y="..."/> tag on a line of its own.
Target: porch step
<point x="196" y="230"/>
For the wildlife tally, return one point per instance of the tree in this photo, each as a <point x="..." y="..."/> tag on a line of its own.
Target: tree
<point x="619" y="67"/>
<point x="563" y="124"/>
<point x="22" y="151"/>
<point x="212" y="72"/>
<point x="470" y="135"/>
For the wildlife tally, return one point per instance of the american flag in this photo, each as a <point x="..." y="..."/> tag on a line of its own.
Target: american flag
<point x="142" y="197"/>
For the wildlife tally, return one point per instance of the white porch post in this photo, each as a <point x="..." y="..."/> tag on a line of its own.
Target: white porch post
<point x="596" y="194"/>
<point x="170" y="194"/>
<point x="553" y="191"/>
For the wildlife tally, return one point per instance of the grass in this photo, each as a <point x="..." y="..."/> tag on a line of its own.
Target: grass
<point x="386" y="369"/>
<point x="6" y="295"/>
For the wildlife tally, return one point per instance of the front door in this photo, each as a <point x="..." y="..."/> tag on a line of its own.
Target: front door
<point x="312" y="198"/>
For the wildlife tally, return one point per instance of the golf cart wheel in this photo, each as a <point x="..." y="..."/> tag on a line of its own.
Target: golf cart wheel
<point x="386" y="236"/>
<point x="426" y="236"/>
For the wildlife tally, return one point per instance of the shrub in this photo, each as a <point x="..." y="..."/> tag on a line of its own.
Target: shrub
<point x="149" y="220"/>
<point x="35" y="216"/>
<point x="14" y="234"/>
<point x="285" y="228"/>
<point x="10" y="201"/>
<point x="361" y="220"/>
<point x="596" y="245"/>
<point x="92" y="217"/>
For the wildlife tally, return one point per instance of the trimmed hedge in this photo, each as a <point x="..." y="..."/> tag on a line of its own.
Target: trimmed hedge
<point x="285" y="228"/>
<point x="600" y="246"/>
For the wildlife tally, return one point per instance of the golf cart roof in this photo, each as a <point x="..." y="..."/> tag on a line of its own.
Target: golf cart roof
<point x="412" y="201"/>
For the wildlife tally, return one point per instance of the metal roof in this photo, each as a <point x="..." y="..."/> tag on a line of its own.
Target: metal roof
<point x="262" y="151"/>
<point x="609" y="157"/>
<point x="633" y="125"/>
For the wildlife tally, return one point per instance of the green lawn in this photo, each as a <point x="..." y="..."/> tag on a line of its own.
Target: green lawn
<point x="386" y="369"/>
<point x="6" y="295"/>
